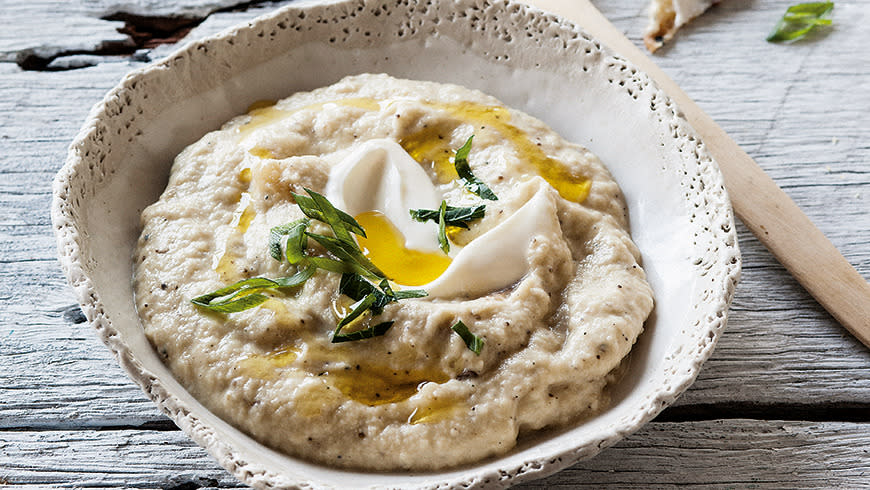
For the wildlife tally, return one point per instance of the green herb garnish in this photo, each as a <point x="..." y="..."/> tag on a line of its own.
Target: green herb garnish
<point x="342" y="245"/>
<point x="355" y="287"/>
<point x="454" y="216"/>
<point x="349" y="254"/>
<point x="370" y="299"/>
<point x="442" y="228"/>
<point x="800" y="19"/>
<point x="371" y="332"/>
<point x="448" y="216"/>
<point x="410" y="293"/>
<point x="471" y="182"/>
<point x="317" y="206"/>
<point x="473" y="342"/>
<point x="290" y="242"/>
<point x="246" y="294"/>
<point x="363" y="306"/>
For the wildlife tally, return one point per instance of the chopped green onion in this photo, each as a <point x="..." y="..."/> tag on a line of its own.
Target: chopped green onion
<point x="455" y="216"/>
<point x="442" y="228"/>
<point x="318" y="207"/>
<point x="411" y="293"/>
<point x="246" y="293"/>
<point x="330" y="265"/>
<point x="471" y="182"/>
<point x="241" y="301"/>
<point x="800" y="19"/>
<point x="355" y="287"/>
<point x="372" y="332"/>
<point x="370" y="299"/>
<point x="294" y="244"/>
<point x="349" y="253"/>
<point x="289" y="242"/>
<point x="473" y="342"/>
<point x="302" y="275"/>
<point x="361" y="308"/>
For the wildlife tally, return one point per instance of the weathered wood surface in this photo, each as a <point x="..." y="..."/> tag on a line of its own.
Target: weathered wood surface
<point x="749" y="453"/>
<point x="50" y="27"/>
<point x="70" y="417"/>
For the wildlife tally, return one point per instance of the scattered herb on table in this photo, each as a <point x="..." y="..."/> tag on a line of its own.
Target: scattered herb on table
<point x="800" y="19"/>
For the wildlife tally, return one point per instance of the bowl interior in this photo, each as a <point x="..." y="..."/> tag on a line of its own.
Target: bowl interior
<point x="680" y="216"/>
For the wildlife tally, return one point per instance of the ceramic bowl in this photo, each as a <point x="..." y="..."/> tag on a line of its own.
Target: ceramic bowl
<point x="681" y="218"/>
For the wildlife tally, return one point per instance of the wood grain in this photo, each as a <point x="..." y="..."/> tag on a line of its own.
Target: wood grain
<point x="70" y="417"/>
<point x="774" y="218"/>
<point x="717" y="453"/>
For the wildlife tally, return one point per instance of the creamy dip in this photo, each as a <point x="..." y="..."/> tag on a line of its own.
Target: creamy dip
<point x="416" y="397"/>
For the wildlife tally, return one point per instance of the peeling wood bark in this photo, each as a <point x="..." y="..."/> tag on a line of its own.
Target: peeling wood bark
<point x="100" y="28"/>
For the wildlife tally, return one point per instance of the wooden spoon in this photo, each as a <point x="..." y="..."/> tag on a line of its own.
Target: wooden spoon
<point x="762" y="206"/>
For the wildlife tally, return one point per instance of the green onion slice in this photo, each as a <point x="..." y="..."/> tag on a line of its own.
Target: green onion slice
<point x="454" y="216"/>
<point x="442" y="228"/>
<point x="473" y="342"/>
<point x="799" y="20"/>
<point x="246" y="293"/>
<point x="471" y="182"/>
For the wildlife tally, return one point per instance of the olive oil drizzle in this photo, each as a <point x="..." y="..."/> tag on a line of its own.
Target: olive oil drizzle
<point x="436" y="410"/>
<point x="385" y="247"/>
<point x="265" y="366"/>
<point x="263" y="113"/>
<point x="375" y="385"/>
<point x="430" y="145"/>
<point x="242" y="219"/>
<point x="367" y="383"/>
<point x="360" y="380"/>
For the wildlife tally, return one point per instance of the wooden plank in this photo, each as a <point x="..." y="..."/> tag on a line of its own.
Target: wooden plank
<point x="55" y="373"/>
<point x="779" y="348"/>
<point x="124" y="458"/>
<point x="729" y="454"/>
<point x="785" y="105"/>
<point x="758" y="201"/>
<point x="718" y="453"/>
<point x="62" y="27"/>
<point x="799" y="110"/>
<point x="55" y="27"/>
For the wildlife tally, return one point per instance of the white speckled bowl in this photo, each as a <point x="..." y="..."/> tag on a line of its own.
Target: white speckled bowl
<point x="680" y="213"/>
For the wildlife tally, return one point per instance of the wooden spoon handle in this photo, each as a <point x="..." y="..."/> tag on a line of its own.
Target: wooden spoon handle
<point x="762" y="206"/>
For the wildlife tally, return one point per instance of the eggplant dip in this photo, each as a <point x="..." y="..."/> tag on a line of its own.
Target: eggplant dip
<point x="388" y="274"/>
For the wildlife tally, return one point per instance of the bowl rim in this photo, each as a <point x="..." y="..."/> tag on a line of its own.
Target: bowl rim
<point x="63" y="215"/>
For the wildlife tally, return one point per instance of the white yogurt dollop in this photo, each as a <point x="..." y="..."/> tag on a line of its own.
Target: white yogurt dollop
<point x="499" y="257"/>
<point x="381" y="176"/>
